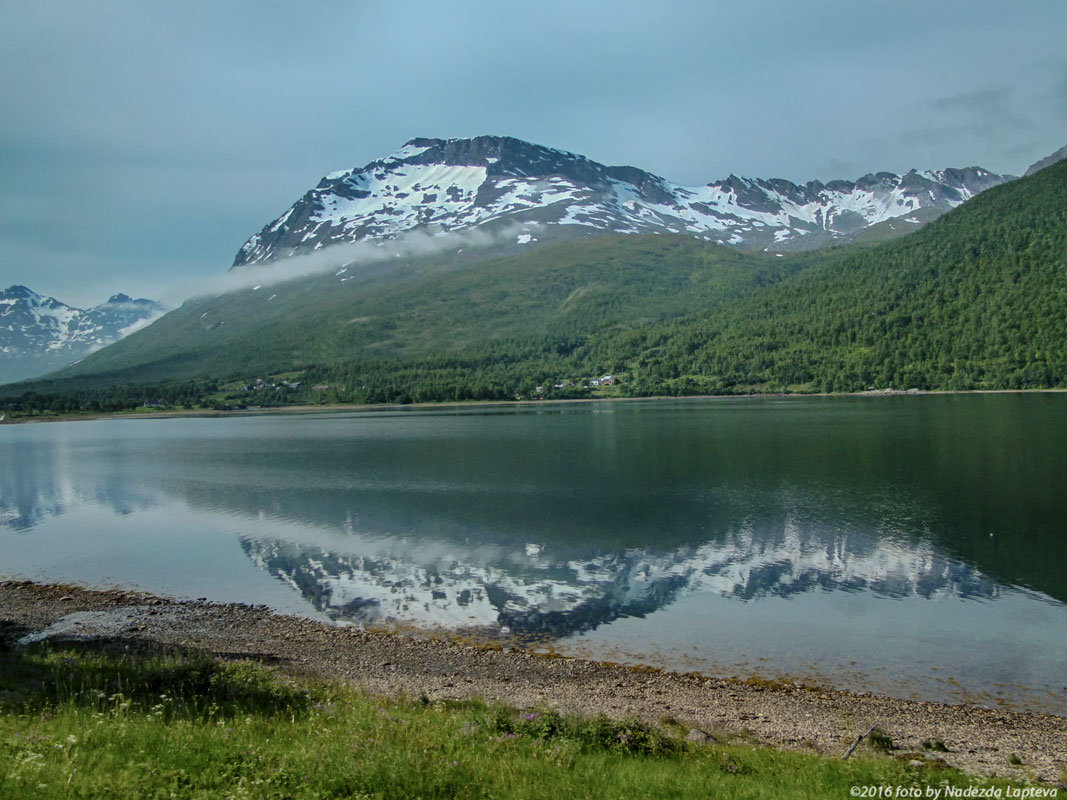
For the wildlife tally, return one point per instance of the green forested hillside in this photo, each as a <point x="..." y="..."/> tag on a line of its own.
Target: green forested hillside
<point x="976" y="299"/>
<point x="399" y="328"/>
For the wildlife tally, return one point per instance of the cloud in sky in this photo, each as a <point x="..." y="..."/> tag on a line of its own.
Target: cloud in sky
<point x="350" y="257"/>
<point x="141" y="143"/>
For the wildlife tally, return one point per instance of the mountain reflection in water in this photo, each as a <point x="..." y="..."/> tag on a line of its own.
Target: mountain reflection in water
<point x="556" y="587"/>
<point x="888" y="536"/>
<point x="473" y="549"/>
<point x="383" y="582"/>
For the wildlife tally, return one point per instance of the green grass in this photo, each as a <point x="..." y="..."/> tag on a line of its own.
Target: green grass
<point x="111" y="723"/>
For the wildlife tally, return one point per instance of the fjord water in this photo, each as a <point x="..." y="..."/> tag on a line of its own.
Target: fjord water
<point x="909" y="545"/>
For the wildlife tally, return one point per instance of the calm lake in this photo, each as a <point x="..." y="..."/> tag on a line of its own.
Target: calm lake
<point x="914" y="546"/>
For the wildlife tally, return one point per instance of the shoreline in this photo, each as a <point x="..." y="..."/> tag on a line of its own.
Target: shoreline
<point x="787" y="715"/>
<point x="468" y="404"/>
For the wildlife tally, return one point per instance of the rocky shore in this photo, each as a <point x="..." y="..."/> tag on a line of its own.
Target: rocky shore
<point x="976" y="740"/>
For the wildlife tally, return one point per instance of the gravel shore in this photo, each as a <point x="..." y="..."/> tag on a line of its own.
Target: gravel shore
<point x="978" y="740"/>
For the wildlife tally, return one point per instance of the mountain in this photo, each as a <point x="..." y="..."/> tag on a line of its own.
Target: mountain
<point x="39" y="334"/>
<point x="449" y="301"/>
<point x="1047" y="161"/>
<point x="973" y="300"/>
<point x="533" y="192"/>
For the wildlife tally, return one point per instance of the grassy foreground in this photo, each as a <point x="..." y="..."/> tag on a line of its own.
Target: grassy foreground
<point x="89" y="722"/>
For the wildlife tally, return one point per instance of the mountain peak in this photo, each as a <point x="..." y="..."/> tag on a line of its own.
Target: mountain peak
<point x="18" y="291"/>
<point x="498" y="154"/>
<point x="502" y="183"/>
<point x="40" y="334"/>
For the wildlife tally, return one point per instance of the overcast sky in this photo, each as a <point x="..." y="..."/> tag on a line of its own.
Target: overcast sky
<point x="142" y="142"/>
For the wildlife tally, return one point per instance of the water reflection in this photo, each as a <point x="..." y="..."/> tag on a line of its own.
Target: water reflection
<point x="529" y="590"/>
<point x="622" y="509"/>
<point x="40" y="480"/>
<point x="685" y="528"/>
<point x="477" y="548"/>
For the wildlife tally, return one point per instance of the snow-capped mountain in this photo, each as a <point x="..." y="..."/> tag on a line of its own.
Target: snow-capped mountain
<point x="39" y="334"/>
<point x="439" y="186"/>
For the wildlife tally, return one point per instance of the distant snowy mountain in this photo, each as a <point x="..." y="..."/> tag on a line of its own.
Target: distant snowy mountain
<point x="531" y="191"/>
<point x="39" y="334"/>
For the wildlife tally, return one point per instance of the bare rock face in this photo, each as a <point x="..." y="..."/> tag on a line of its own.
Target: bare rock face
<point x="1047" y="161"/>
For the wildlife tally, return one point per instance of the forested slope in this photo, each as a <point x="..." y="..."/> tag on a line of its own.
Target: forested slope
<point x="977" y="299"/>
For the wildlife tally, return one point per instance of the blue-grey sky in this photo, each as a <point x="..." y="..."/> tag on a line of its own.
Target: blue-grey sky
<point x="142" y="142"/>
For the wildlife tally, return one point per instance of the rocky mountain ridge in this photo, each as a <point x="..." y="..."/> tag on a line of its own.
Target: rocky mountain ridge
<point x="1047" y="161"/>
<point x="39" y="334"/>
<point x="533" y="192"/>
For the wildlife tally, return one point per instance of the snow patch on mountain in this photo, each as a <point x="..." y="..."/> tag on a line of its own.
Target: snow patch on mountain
<point x="442" y="185"/>
<point x="39" y="334"/>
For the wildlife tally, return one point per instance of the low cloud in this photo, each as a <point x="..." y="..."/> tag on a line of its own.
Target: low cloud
<point x="124" y="332"/>
<point x="141" y="323"/>
<point x="409" y="245"/>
